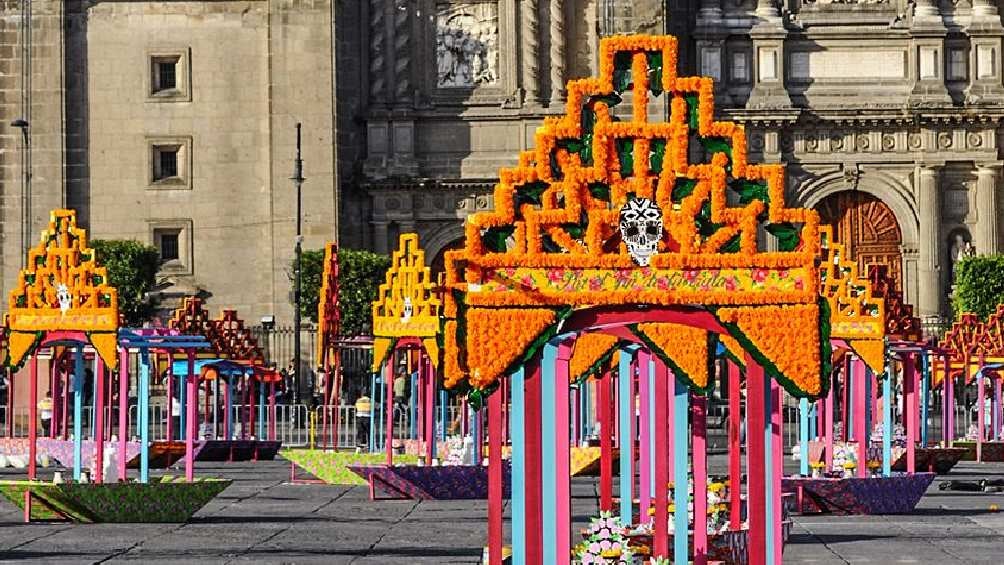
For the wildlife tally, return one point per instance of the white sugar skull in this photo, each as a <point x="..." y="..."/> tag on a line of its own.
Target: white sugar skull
<point x="641" y="229"/>
<point x="64" y="298"/>
<point x="408" y="310"/>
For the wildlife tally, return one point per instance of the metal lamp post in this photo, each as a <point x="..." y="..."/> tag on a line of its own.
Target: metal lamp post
<point x="297" y="179"/>
<point x="26" y="228"/>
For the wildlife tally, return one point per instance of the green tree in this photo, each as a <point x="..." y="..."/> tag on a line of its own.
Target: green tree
<point x="360" y="275"/>
<point x="132" y="269"/>
<point x="979" y="285"/>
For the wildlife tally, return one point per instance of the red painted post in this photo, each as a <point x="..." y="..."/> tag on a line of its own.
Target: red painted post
<point x="735" y="447"/>
<point x="33" y="417"/>
<point x="170" y="398"/>
<point x="561" y="460"/>
<point x="827" y="423"/>
<point x="99" y="421"/>
<point x="430" y="411"/>
<point x="660" y="542"/>
<point x="910" y="418"/>
<point x="605" y="407"/>
<point x="123" y="411"/>
<point x="777" y="466"/>
<point x="495" y="478"/>
<point x="190" y="406"/>
<point x="534" y="519"/>
<point x="755" y="448"/>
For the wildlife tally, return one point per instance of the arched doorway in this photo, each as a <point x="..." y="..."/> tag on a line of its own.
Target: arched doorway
<point x="868" y="228"/>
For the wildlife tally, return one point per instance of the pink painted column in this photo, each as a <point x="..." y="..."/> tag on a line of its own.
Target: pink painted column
<point x="123" y="411"/>
<point x="826" y="422"/>
<point x="389" y="404"/>
<point x="980" y="413"/>
<point x="735" y="447"/>
<point x="99" y="422"/>
<point x="663" y="372"/>
<point x="950" y="403"/>
<point x="32" y="418"/>
<point x="756" y="484"/>
<point x="663" y="453"/>
<point x="860" y="425"/>
<point x="430" y="413"/>
<point x="700" y="463"/>
<point x="777" y="466"/>
<point x="912" y="417"/>
<point x="998" y="418"/>
<point x="190" y="421"/>
<point x="170" y="396"/>
<point x="644" y="439"/>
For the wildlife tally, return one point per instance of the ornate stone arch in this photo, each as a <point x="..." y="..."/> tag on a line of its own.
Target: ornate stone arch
<point x="437" y="240"/>
<point x="893" y="192"/>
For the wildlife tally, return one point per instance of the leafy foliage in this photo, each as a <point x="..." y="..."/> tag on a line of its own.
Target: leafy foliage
<point x="360" y="276"/>
<point x="132" y="269"/>
<point x="979" y="285"/>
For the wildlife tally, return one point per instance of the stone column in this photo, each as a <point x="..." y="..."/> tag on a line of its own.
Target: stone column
<point x="928" y="55"/>
<point x="929" y="270"/>
<point x="768" y="37"/>
<point x="985" y="31"/>
<point x="926" y="8"/>
<point x="380" y="237"/>
<point x="557" y="52"/>
<point x="987" y="207"/>
<point x="767" y="9"/>
<point x="530" y="51"/>
<point x="711" y="10"/>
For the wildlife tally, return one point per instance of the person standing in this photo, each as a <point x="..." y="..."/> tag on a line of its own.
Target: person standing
<point x="363" y="410"/>
<point x="45" y="413"/>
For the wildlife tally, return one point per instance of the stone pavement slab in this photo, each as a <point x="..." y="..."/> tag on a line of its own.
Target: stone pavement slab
<point x="263" y="519"/>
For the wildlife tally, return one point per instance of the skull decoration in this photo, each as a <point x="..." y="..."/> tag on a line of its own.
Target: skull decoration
<point x="641" y="229"/>
<point x="64" y="298"/>
<point x="408" y="310"/>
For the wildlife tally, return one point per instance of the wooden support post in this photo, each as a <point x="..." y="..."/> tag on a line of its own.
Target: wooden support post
<point x="625" y="406"/>
<point x="660" y="541"/>
<point x="735" y="446"/>
<point x="99" y="425"/>
<point x="910" y="409"/>
<point x="494" y="478"/>
<point x="755" y="450"/>
<point x="534" y="497"/>
<point x="645" y="460"/>
<point x="605" y="408"/>
<point x="700" y="463"/>
<point x="191" y="420"/>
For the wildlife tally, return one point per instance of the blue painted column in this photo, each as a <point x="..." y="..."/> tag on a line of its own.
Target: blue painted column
<point x="374" y="417"/>
<point x="548" y="460"/>
<point x="78" y="407"/>
<point x="517" y="433"/>
<point x="681" y="490"/>
<point x="625" y="412"/>
<point x="887" y="425"/>
<point x="803" y="436"/>
<point x="925" y="390"/>
<point x="143" y="415"/>
<point x="183" y="402"/>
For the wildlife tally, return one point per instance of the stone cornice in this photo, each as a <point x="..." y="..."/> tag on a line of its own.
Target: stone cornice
<point x="416" y="183"/>
<point x="869" y="117"/>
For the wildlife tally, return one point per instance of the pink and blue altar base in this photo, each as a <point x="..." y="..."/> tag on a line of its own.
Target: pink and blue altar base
<point x="896" y="494"/>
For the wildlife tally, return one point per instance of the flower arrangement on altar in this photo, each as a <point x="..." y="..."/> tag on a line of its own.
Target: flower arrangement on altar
<point x="717" y="509"/>
<point x="873" y="466"/>
<point x="817" y="468"/>
<point x="609" y="212"/>
<point x="973" y="433"/>
<point x="849" y="467"/>
<point x="605" y="543"/>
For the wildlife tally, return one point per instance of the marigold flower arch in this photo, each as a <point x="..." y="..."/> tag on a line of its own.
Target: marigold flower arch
<point x="62" y="289"/>
<point x="406" y="304"/>
<point x="552" y="244"/>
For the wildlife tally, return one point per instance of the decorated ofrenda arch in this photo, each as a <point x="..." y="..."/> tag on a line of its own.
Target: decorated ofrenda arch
<point x="607" y="226"/>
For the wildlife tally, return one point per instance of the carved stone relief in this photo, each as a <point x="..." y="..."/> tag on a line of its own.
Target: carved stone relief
<point x="916" y="141"/>
<point x="827" y="2"/>
<point x="974" y="140"/>
<point x="888" y="142"/>
<point x="467" y="39"/>
<point x="945" y="140"/>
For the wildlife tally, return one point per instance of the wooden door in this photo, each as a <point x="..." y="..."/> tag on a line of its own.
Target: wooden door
<point x="868" y="228"/>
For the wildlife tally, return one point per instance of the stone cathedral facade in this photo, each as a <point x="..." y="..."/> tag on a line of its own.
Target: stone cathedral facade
<point x="172" y="123"/>
<point x="887" y="112"/>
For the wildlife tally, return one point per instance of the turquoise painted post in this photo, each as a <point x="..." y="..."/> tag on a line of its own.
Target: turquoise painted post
<point x="143" y="415"/>
<point x="651" y="424"/>
<point x="230" y="409"/>
<point x="887" y="425"/>
<point x="803" y="436"/>
<point x="183" y="402"/>
<point x="78" y="408"/>
<point x="625" y="409"/>
<point x="444" y="415"/>
<point x="768" y="470"/>
<point x="517" y="432"/>
<point x="925" y="384"/>
<point x="374" y="416"/>
<point x="548" y="461"/>
<point x="681" y="490"/>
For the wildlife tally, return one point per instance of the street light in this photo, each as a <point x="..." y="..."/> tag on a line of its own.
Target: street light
<point x="26" y="230"/>
<point x="297" y="179"/>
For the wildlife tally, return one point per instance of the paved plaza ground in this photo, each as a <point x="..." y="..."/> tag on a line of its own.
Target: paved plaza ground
<point x="263" y="519"/>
